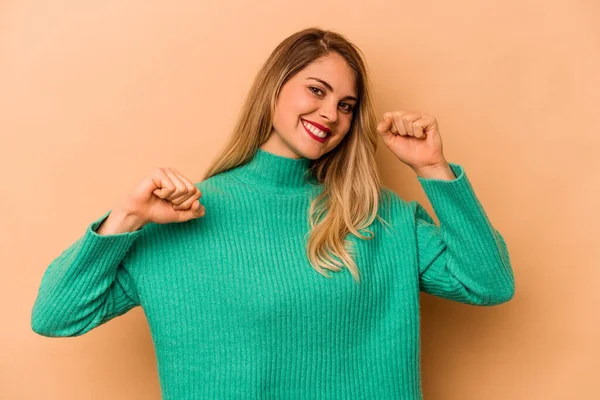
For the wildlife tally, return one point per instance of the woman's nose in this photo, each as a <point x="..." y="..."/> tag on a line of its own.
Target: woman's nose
<point x="329" y="112"/>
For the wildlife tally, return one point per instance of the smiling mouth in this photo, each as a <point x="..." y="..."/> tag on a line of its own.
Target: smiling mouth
<point x="312" y="135"/>
<point x="314" y="131"/>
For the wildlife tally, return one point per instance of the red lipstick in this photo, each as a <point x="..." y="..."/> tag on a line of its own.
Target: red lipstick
<point x="321" y="127"/>
<point x="312" y="135"/>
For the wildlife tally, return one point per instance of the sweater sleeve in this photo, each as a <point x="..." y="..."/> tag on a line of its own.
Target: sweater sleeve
<point x="465" y="259"/>
<point x="87" y="285"/>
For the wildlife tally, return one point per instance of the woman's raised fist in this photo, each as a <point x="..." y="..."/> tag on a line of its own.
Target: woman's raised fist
<point x="163" y="197"/>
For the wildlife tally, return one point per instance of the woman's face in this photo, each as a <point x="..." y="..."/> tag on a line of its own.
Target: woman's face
<point x="321" y="96"/>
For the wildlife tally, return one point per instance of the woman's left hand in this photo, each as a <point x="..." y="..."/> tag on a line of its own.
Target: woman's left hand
<point x="414" y="138"/>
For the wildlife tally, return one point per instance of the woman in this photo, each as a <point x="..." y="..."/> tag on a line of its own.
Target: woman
<point x="235" y="290"/>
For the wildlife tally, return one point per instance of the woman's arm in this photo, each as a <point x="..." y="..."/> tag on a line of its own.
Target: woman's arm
<point x="87" y="285"/>
<point x="465" y="259"/>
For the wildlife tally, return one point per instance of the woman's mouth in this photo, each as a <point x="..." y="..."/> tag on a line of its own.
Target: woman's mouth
<point x="315" y="132"/>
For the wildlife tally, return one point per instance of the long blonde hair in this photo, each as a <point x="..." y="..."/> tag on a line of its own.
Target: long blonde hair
<point x="351" y="183"/>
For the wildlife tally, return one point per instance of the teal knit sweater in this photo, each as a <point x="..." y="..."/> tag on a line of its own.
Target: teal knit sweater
<point x="235" y="309"/>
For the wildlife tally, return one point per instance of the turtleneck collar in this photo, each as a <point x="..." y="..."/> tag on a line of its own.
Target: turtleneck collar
<point x="277" y="174"/>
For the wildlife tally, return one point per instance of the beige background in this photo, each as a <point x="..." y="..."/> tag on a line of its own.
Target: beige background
<point x="94" y="95"/>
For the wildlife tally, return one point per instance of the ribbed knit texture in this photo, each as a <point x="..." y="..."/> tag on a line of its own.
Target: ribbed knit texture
<point x="237" y="312"/>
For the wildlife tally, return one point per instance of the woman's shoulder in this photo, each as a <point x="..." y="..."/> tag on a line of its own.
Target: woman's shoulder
<point x="394" y="206"/>
<point x="219" y="184"/>
<point x="390" y="199"/>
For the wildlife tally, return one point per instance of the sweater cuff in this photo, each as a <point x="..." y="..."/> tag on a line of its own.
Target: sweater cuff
<point x="452" y="198"/>
<point x="113" y="246"/>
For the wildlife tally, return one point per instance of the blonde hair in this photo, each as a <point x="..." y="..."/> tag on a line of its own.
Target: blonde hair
<point x="351" y="183"/>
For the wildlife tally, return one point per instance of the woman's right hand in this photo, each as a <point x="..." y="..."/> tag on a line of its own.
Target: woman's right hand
<point x="163" y="197"/>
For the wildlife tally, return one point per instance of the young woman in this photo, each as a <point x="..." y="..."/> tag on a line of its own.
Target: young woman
<point x="298" y="277"/>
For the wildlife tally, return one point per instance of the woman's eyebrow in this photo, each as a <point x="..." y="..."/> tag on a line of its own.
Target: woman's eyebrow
<point x="328" y="86"/>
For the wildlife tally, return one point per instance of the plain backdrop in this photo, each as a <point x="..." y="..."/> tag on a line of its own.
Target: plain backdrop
<point x="95" y="95"/>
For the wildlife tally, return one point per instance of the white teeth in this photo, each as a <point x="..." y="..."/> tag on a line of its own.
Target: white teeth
<point x="314" y="130"/>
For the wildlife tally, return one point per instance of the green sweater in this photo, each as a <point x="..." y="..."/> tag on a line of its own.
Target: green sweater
<point x="235" y="309"/>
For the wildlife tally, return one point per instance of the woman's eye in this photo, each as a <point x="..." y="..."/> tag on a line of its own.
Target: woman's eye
<point x="316" y="90"/>
<point x="348" y="108"/>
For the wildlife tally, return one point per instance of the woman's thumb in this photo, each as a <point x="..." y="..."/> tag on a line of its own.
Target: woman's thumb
<point x="384" y="125"/>
<point x="196" y="210"/>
